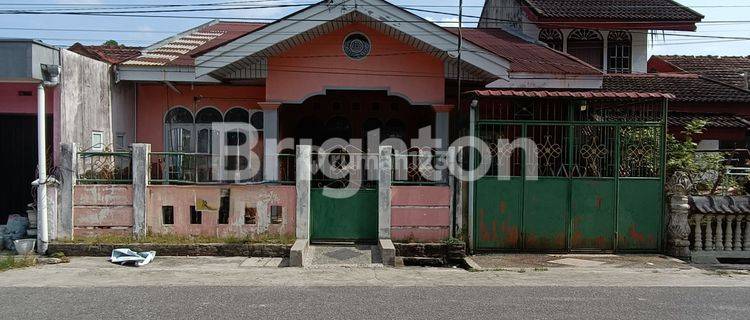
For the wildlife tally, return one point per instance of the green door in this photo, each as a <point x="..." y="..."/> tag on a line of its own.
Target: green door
<point x="340" y="218"/>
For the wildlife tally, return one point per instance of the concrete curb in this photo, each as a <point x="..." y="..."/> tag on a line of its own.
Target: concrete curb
<point x="207" y="249"/>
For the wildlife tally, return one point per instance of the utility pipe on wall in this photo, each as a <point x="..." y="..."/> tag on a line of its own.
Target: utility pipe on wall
<point x="41" y="191"/>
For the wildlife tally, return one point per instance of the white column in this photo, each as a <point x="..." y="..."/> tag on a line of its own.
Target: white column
<point x="442" y="131"/>
<point x="141" y="177"/>
<point x="271" y="140"/>
<point x="605" y="62"/>
<point x="304" y="175"/>
<point x="41" y="191"/>
<point x="385" y="168"/>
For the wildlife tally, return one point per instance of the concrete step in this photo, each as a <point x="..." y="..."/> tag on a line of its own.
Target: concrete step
<point x="345" y="255"/>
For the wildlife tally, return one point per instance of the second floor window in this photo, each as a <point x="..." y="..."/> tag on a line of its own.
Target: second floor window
<point x="552" y="37"/>
<point x="587" y="45"/>
<point x="619" y="52"/>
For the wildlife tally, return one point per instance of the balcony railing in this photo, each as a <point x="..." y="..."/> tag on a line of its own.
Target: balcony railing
<point x="105" y="167"/>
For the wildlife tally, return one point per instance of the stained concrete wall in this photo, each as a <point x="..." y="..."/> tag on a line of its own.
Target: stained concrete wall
<point x="420" y="213"/>
<point x="85" y="100"/>
<point x="260" y="197"/>
<point x="102" y="209"/>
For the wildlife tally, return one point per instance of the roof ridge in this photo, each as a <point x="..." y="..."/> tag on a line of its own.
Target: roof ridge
<point x="655" y="75"/>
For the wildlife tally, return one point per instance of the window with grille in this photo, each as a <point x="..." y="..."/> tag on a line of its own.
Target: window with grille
<point x="552" y="37"/>
<point x="619" y="52"/>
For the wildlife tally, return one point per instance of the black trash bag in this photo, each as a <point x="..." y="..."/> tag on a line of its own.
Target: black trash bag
<point x="14" y="230"/>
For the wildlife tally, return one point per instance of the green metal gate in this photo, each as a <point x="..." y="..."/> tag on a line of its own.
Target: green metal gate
<point x="338" y="213"/>
<point x="599" y="184"/>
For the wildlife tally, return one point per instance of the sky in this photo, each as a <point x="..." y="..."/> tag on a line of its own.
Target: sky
<point x="65" y="30"/>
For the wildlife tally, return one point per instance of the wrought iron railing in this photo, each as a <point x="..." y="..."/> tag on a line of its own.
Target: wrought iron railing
<point x="420" y="167"/>
<point x="193" y="168"/>
<point x="105" y="167"/>
<point x="287" y="168"/>
<point x="344" y="169"/>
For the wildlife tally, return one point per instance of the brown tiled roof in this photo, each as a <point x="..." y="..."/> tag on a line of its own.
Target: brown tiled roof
<point x="182" y="49"/>
<point x="685" y="87"/>
<point x="568" y="94"/>
<point x="724" y="69"/>
<point x="617" y="10"/>
<point x="108" y="54"/>
<point x="715" y="120"/>
<point x="524" y="55"/>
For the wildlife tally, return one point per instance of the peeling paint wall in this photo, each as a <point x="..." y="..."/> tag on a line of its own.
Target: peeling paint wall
<point x="260" y="197"/>
<point x="102" y="209"/>
<point x="420" y="213"/>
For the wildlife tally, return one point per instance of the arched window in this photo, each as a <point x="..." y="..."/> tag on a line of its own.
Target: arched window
<point x="256" y="120"/>
<point x="178" y="130"/>
<point x="619" y="52"/>
<point x="237" y="115"/>
<point x="204" y="120"/>
<point x="552" y="37"/>
<point x="587" y="45"/>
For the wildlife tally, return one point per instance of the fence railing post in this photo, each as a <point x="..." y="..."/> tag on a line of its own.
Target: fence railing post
<point x="69" y="172"/>
<point x="385" y="173"/>
<point x="141" y="177"/>
<point x="304" y="175"/>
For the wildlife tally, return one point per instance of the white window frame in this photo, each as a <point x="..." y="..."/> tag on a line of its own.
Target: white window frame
<point x="97" y="147"/>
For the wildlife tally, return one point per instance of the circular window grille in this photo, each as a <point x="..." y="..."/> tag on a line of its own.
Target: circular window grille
<point x="356" y="46"/>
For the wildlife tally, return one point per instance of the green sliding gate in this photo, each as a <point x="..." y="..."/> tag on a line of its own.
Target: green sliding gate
<point x="338" y="213"/>
<point x="599" y="176"/>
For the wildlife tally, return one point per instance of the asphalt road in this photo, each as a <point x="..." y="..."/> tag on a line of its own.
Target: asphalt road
<point x="375" y="303"/>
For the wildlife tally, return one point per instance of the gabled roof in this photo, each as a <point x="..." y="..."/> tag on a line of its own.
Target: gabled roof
<point x="105" y="53"/>
<point x="650" y="14"/>
<point x="685" y="87"/>
<point x="181" y="49"/>
<point x="324" y="16"/>
<point x="724" y="69"/>
<point x="525" y="56"/>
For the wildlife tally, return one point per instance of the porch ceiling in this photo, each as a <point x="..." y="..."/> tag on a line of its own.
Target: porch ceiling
<point x="246" y="57"/>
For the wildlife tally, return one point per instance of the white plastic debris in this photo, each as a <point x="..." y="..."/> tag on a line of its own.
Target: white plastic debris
<point x="126" y="256"/>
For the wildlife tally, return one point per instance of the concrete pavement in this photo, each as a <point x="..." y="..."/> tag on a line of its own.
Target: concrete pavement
<point x="214" y="271"/>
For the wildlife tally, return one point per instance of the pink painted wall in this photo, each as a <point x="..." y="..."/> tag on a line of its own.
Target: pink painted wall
<point x="312" y="67"/>
<point x="420" y="212"/>
<point x="102" y="209"/>
<point x="261" y="197"/>
<point x="12" y="103"/>
<point x="155" y="100"/>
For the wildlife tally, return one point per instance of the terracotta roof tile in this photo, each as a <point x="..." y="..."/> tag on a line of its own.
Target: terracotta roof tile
<point x="526" y="56"/>
<point x="618" y="10"/>
<point x="182" y="49"/>
<point x="724" y="69"/>
<point x="569" y="94"/>
<point x="109" y="54"/>
<point x="685" y="87"/>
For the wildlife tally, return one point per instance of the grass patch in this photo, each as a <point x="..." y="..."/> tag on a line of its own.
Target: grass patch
<point x="183" y="239"/>
<point x="11" y="262"/>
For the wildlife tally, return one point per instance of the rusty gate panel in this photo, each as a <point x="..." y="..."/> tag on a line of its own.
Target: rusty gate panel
<point x="498" y="212"/>
<point x="593" y="214"/>
<point x="545" y="214"/>
<point x="639" y="214"/>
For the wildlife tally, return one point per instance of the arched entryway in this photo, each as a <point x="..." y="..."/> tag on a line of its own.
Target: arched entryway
<point x="337" y="214"/>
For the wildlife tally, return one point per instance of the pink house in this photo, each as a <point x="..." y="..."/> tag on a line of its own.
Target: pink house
<point x="367" y="73"/>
